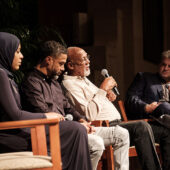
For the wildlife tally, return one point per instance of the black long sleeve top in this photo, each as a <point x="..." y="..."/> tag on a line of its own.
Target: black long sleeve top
<point x="10" y="104"/>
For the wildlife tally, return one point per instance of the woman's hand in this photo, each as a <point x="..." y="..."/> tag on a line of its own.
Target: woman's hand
<point x="52" y="115"/>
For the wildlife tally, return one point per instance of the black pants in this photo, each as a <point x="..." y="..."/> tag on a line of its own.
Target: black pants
<point x="162" y="136"/>
<point x="141" y="136"/>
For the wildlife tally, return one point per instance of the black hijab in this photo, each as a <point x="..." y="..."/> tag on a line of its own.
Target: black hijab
<point x="8" y="45"/>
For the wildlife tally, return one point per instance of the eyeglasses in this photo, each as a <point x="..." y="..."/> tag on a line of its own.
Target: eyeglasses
<point x="83" y="60"/>
<point x="86" y="58"/>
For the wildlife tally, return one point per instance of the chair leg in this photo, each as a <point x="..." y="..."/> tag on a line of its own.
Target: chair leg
<point x="99" y="166"/>
<point x="106" y="162"/>
<point x="110" y="160"/>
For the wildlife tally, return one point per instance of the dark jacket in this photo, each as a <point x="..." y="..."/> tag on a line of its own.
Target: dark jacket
<point x="145" y="89"/>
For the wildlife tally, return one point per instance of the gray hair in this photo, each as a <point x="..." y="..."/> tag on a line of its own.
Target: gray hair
<point x="166" y="54"/>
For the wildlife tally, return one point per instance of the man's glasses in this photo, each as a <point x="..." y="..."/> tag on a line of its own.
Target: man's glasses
<point x="82" y="61"/>
<point x="87" y="58"/>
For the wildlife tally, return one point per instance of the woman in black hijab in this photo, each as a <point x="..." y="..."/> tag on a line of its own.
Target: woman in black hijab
<point x="10" y="109"/>
<point x="10" y="60"/>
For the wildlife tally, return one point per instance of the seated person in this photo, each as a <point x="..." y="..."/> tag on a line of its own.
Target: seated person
<point x="73" y="136"/>
<point x="95" y="103"/>
<point x="148" y="96"/>
<point x="43" y="93"/>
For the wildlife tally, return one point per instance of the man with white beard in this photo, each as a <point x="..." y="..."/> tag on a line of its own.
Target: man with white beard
<point x="96" y="104"/>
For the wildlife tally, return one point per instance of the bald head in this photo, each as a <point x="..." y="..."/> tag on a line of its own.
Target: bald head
<point x="74" y="53"/>
<point x="78" y="62"/>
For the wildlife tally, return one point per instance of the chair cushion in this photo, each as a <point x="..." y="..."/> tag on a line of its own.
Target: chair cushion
<point x="23" y="160"/>
<point x="26" y="153"/>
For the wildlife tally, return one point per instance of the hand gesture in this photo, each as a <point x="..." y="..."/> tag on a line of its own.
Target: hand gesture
<point x="108" y="84"/>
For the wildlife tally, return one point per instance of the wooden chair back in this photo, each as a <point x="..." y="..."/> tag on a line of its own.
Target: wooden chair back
<point x="38" y="138"/>
<point x="122" y="110"/>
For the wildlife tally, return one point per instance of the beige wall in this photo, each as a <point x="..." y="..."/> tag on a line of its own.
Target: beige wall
<point x="117" y="26"/>
<point x="115" y="39"/>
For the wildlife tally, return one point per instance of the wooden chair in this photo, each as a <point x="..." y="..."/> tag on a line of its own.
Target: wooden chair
<point x="132" y="150"/>
<point x="39" y="145"/>
<point x="107" y="161"/>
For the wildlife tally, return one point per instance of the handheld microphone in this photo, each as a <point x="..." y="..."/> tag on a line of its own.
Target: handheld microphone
<point x="105" y="74"/>
<point x="68" y="117"/>
<point x="167" y="85"/>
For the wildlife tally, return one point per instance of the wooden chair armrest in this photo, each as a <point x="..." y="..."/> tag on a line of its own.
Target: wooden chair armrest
<point x="26" y="123"/>
<point x="146" y="120"/>
<point x="97" y="123"/>
<point x="100" y="123"/>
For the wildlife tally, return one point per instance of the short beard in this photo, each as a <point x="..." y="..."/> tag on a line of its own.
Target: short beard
<point x="86" y="73"/>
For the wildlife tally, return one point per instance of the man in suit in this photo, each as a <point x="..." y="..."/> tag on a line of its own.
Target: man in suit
<point x="148" y="97"/>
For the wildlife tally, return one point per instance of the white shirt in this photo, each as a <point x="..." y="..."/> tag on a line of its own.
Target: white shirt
<point x="89" y="100"/>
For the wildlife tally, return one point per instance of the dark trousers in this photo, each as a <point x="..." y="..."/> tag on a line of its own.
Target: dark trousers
<point x="14" y="142"/>
<point x="162" y="136"/>
<point x="141" y="136"/>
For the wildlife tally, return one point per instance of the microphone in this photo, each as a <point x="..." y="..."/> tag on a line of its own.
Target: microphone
<point x="105" y="74"/>
<point x="68" y="117"/>
<point x="167" y="85"/>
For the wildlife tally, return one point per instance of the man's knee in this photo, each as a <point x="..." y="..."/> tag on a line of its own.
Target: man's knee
<point x="142" y="127"/>
<point x="122" y="135"/>
<point x="96" y="143"/>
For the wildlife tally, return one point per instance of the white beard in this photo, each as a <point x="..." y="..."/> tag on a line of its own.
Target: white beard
<point x="86" y="73"/>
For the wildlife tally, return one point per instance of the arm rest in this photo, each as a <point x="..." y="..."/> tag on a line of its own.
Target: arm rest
<point x="96" y="123"/>
<point x="100" y="123"/>
<point x="146" y="120"/>
<point x="26" y="123"/>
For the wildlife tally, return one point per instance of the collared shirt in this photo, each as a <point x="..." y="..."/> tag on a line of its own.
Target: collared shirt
<point x="89" y="100"/>
<point x="43" y="94"/>
<point x="165" y="93"/>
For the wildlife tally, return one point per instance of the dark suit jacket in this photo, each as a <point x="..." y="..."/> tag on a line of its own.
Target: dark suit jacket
<point x="145" y="89"/>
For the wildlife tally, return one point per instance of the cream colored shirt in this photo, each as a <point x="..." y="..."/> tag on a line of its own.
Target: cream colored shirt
<point x="89" y="100"/>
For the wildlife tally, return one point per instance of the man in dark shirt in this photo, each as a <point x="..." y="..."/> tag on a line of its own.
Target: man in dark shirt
<point x="148" y="97"/>
<point x="42" y="92"/>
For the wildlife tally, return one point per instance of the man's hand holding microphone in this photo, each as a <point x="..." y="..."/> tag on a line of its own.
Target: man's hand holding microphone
<point x="109" y="85"/>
